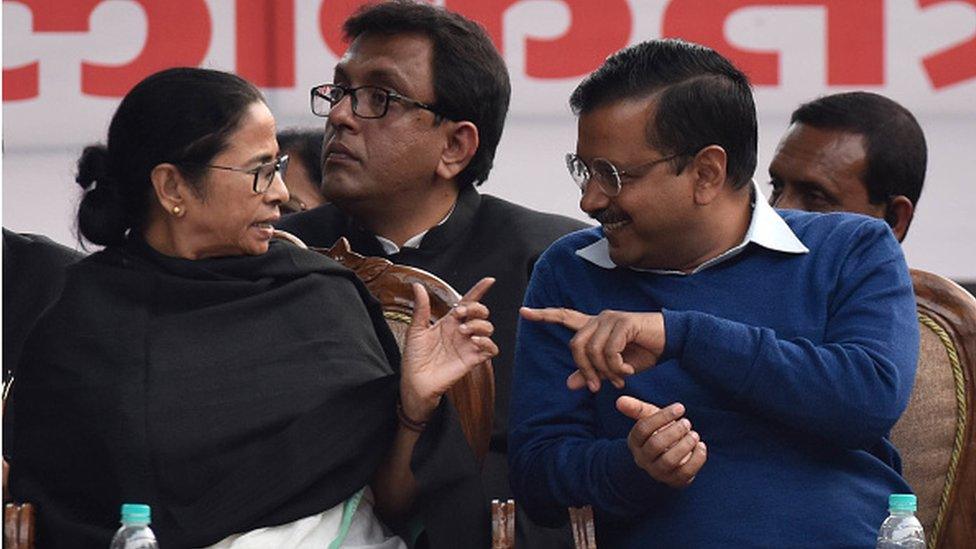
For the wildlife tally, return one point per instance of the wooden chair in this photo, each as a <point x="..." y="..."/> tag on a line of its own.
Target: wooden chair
<point x="936" y="436"/>
<point x="584" y="532"/>
<point x="502" y="524"/>
<point x="18" y="518"/>
<point x="18" y="526"/>
<point x="474" y="395"/>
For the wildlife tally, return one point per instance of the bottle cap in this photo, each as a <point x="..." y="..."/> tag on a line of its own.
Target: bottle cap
<point x="901" y="502"/>
<point x="136" y="513"/>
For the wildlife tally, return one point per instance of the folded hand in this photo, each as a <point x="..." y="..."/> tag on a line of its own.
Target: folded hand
<point x="662" y="442"/>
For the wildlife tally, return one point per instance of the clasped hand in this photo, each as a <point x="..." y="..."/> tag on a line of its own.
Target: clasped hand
<point x="436" y="356"/>
<point x="662" y="442"/>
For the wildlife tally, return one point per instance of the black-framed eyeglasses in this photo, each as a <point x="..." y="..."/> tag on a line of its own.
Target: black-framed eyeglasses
<point x="367" y="101"/>
<point x="263" y="174"/>
<point x="606" y="174"/>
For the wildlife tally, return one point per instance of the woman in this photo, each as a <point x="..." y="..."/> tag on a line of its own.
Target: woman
<point x="247" y="390"/>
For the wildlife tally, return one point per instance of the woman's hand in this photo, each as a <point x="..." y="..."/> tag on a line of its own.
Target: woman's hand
<point x="610" y="345"/>
<point x="436" y="356"/>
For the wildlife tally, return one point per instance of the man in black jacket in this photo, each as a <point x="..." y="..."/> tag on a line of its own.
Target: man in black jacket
<point x="33" y="274"/>
<point x="414" y="115"/>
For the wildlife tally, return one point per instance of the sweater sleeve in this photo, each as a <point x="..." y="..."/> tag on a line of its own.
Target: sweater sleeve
<point x="851" y="387"/>
<point x="556" y="459"/>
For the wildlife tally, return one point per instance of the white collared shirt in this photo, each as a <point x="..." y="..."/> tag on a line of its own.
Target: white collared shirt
<point x="414" y="241"/>
<point x="766" y="228"/>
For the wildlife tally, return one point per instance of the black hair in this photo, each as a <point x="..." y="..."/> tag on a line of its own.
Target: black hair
<point x="182" y="116"/>
<point x="894" y="142"/>
<point x="305" y="146"/>
<point x="470" y="78"/>
<point x="701" y="99"/>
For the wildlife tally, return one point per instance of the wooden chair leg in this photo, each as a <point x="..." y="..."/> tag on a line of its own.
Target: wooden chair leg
<point x="18" y="526"/>
<point x="584" y="532"/>
<point x="503" y="524"/>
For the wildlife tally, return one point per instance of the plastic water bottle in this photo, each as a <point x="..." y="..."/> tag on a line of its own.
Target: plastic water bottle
<point x="901" y="529"/>
<point x="135" y="532"/>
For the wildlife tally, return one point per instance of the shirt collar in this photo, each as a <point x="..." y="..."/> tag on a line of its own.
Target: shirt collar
<point x="390" y="247"/>
<point x="766" y="228"/>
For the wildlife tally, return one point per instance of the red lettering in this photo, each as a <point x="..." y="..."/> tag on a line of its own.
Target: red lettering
<point x="48" y="16"/>
<point x="178" y="33"/>
<point x="855" y="37"/>
<point x="266" y="42"/>
<point x="596" y="30"/>
<point x="332" y="14"/>
<point x="21" y="82"/>
<point x="951" y="65"/>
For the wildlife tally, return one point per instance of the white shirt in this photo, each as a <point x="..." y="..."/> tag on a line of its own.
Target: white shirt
<point x="414" y="241"/>
<point x="766" y="228"/>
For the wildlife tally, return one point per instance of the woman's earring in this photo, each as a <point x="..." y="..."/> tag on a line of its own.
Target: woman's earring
<point x="178" y="211"/>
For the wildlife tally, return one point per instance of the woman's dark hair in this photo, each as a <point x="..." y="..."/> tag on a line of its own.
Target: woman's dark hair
<point x="183" y="116"/>
<point x="702" y="99"/>
<point x="470" y="78"/>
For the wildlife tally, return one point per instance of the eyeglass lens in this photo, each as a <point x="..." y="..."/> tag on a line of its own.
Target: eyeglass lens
<point x="367" y="101"/>
<point x="264" y="177"/>
<point x="602" y="170"/>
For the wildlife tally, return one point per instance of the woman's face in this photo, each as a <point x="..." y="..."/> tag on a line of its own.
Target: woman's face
<point x="228" y="217"/>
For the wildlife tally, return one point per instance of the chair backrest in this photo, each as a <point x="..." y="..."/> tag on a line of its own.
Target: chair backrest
<point x="936" y="436"/>
<point x="474" y="395"/>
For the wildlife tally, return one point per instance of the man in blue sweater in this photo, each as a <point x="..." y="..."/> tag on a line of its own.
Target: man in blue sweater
<point x="701" y="369"/>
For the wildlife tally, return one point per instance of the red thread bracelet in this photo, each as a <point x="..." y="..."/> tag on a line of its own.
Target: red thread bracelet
<point x="406" y="421"/>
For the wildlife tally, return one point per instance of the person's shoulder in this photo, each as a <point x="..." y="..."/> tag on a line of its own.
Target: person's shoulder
<point x="39" y="248"/>
<point x="840" y="231"/>
<point x="565" y="247"/>
<point x="832" y="224"/>
<point x="517" y="218"/>
<point x="291" y="261"/>
<point x="315" y="225"/>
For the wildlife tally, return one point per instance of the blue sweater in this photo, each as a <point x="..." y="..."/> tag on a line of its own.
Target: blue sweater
<point x="793" y="368"/>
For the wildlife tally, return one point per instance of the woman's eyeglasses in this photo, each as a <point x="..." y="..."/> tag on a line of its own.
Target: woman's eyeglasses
<point x="263" y="174"/>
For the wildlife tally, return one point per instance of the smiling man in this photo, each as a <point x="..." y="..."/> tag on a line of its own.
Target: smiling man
<point x="414" y="114"/>
<point x="702" y="370"/>
<point x="851" y="152"/>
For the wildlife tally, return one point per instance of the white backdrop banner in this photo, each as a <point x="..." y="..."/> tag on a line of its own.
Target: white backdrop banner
<point x="67" y="63"/>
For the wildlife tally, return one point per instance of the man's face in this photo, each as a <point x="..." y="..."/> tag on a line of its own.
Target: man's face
<point x="821" y="170"/>
<point x="368" y="162"/>
<point x="654" y="204"/>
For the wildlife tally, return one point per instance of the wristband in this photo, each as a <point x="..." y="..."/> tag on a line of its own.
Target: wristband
<point x="406" y="421"/>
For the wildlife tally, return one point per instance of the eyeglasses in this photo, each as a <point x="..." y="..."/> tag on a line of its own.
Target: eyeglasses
<point x="606" y="174"/>
<point x="367" y="101"/>
<point x="263" y="174"/>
